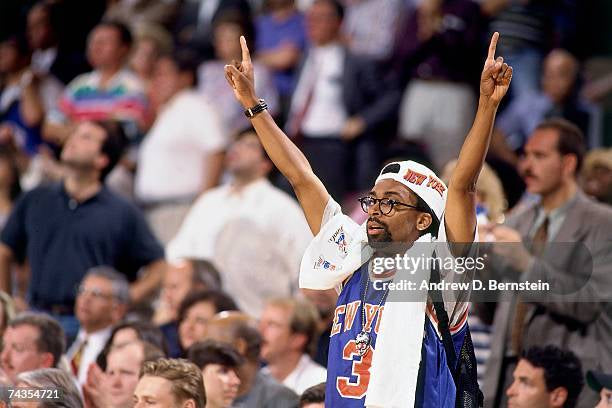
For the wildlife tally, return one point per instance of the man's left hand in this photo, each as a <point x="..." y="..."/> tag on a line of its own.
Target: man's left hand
<point x="496" y="75"/>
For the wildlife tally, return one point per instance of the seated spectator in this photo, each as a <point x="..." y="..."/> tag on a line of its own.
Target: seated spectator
<point x="280" y="36"/>
<point x="546" y="377"/>
<point x="256" y="388"/>
<point x="313" y="397"/>
<point x="438" y="44"/>
<point x="182" y="154"/>
<point x="170" y="383"/>
<point x="228" y="27"/>
<point x="102" y="301"/>
<point x="114" y="387"/>
<point x="602" y="384"/>
<point x="180" y="278"/>
<point x="108" y="92"/>
<point x="129" y="332"/>
<point x="557" y="98"/>
<point x="371" y="27"/>
<point x="31" y="341"/>
<point x="597" y="175"/>
<point x="271" y="239"/>
<point x="219" y="363"/>
<point x="24" y="97"/>
<point x="288" y="329"/>
<point x="196" y="310"/>
<point x="53" y="380"/>
<point x="63" y="229"/>
<point x="341" y="105"/>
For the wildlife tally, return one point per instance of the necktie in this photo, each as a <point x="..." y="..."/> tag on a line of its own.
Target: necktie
<point x="75" y="362"/>
<point x="518" y="324"/>
<point x="295" y="123"/>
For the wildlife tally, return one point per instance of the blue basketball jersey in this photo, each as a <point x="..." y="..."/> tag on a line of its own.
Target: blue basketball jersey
<point x="348" y="372"/>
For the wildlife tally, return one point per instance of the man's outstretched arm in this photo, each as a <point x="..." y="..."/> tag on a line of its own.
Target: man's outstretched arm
<point x="460" y="211"/>
<point x="283" y="152"/>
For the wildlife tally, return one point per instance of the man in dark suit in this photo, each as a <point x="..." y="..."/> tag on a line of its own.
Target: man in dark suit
<point x="340" y="105"/>
<point x="570" y="241"/>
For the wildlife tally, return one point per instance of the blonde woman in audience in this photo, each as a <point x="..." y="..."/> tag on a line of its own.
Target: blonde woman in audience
<point x="596" y="175"/>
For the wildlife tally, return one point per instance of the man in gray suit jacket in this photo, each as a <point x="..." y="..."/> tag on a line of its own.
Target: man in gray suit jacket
<point x="577" y="262"/>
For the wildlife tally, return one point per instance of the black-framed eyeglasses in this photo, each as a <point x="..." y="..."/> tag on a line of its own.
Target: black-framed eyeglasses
<point x="385" y="205"/>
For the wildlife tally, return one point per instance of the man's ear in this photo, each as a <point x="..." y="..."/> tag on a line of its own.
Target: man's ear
<point x="118" y="311"/>
<point x="558" y="396"/>
<point x="189" y="404"/>
<point x="570" y="164"/>
<point x="423" y="221"/>
<point x="102" y="161"/>
<point x="46" y="360"/>
<point x="266" y="167"/>
<point x="298" y="341"/>
<point x="241" y="346"/>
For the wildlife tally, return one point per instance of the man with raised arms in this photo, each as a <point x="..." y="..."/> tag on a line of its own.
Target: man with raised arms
<point x="390" y="361"/>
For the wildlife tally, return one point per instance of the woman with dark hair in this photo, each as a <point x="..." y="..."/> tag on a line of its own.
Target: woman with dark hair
<point x="129" y="332"/>
<point x="195" y="312"/>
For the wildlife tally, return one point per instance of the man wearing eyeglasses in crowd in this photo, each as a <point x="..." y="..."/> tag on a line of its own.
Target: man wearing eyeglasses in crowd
<point x="408" y="203"/>
<point x="102" y="301"/>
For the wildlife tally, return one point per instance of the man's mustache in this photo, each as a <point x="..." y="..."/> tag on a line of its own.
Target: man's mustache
<point x="379" y="222"/>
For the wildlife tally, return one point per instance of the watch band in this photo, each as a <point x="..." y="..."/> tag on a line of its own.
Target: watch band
<point x="260" y="107"/>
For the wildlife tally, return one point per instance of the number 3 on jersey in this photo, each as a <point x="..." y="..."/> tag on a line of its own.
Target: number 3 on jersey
<point x="360" y="369"/>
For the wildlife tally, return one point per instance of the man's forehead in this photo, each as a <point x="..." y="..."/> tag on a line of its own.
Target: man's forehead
<point x="543" y="138"/>
<point x="25" y="328"/>
<point x="91" y="128"/>
<point x="525" y="369"/>
<point x="97" y="281"/>
<point x="390" y="187"/>
<point x="126" y="353"/>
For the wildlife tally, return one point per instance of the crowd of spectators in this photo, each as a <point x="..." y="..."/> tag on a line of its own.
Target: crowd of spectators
<point x="142" y="221"/>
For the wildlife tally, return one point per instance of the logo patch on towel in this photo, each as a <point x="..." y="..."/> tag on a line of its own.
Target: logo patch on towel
<point x="339" y="239"/>
<point x="324" y="264"/>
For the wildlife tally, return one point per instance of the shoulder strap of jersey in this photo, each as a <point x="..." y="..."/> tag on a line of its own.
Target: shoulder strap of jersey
<point x="443" y="321"/>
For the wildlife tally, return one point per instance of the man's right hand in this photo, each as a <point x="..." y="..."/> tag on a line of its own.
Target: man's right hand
<point x="241" y="79"/>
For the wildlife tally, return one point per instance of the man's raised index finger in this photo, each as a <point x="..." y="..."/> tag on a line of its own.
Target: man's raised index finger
<point x="246" y="55"/>
<point x="493" y="45"/>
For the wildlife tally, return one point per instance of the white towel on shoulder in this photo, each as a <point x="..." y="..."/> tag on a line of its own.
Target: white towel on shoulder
<point x="340" y="249"/>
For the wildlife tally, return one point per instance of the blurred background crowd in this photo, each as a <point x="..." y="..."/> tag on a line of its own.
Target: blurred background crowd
<point x="142" y="218"/>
